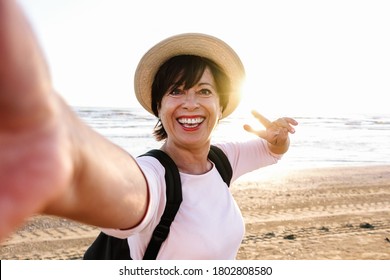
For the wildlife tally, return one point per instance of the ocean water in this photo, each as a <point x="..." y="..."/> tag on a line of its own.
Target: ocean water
<point x="319" y="141"/>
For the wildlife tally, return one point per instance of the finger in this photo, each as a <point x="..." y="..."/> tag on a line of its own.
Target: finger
<point x="266" y="122"/>
<point x="292" y="122"/>
<point x="289" y="123"/>
<point x="286" y="123"/>
<point x="260" y="133"/>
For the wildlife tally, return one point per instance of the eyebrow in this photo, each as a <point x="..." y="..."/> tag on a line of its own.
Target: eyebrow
<point x="206" y="84"/>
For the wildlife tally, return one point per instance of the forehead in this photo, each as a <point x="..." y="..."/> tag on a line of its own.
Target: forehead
<point x="207" y="76"/>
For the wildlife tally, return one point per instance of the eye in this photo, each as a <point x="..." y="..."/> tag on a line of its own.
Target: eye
<point x="176" y="92"/>
<point x="205" y="92"/>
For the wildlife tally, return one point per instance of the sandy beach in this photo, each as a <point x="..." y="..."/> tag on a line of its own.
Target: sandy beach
<point x="315" y="214"/>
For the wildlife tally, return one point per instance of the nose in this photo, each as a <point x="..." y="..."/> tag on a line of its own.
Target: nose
<point x="191" y="100"/>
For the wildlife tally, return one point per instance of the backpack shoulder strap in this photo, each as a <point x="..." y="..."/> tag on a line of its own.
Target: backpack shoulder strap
<point x="219" y="158"/>
<point x="174" y="199"/>
<point x="107" y="247"/>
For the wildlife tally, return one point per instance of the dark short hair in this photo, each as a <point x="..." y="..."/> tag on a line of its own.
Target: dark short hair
<point x="185" y="70"/>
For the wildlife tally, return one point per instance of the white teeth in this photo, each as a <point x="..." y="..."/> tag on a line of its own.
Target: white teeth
<point x="191" y="120"/>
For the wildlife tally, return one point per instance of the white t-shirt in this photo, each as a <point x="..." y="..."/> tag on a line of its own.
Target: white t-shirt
<point x="209" y="224"/>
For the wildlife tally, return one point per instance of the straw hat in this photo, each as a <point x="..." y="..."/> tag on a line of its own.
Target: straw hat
<point x="189" y="44"/>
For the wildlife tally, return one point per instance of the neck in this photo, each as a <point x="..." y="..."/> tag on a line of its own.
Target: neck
<point x="189" y="160"/>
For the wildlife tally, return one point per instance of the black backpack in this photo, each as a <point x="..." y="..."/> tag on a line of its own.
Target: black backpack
<point x="107" y="247"/>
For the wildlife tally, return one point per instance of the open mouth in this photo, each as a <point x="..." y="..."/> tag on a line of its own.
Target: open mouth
<point x="191" y="122"/>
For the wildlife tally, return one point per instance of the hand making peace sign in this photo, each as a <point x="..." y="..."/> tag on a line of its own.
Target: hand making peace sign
<point x="275" y="133"/>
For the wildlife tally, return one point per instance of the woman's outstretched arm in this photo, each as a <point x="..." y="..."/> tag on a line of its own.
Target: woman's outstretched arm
<point x="50" y="161"/>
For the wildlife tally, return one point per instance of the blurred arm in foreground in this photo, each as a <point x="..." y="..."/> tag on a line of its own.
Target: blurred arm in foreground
<point x="50" y="161"/>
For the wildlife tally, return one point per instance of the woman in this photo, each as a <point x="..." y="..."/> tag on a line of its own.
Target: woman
<point x="52" y="163"/>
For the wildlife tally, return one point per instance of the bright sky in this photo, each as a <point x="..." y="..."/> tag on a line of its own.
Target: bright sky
<point x="325" y="57"/>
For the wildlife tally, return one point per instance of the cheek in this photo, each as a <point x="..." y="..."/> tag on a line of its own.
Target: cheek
<point x="165" y="112"/>
<point x="162" y="108"/>
<point x="218" y="108"/>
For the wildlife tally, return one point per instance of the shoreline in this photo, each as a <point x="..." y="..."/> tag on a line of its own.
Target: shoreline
<point x="337" y="213"/>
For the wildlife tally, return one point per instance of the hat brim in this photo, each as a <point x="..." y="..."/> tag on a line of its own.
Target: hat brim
<point x="189" y="44"/>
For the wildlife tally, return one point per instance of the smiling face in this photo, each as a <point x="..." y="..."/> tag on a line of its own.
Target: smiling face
<point x="189" y="115"/>
<point x="183" y="74"/>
